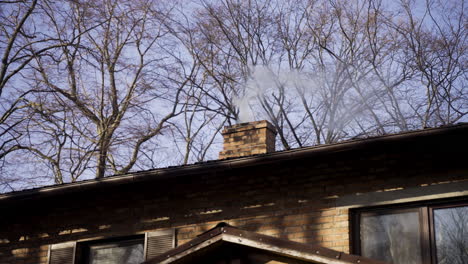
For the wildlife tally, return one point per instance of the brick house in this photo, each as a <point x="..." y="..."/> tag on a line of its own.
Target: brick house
<point x="399" y="198"/>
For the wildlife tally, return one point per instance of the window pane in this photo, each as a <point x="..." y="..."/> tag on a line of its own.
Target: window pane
<point x="393" y="237"/>
<point x="122" y="253"/>
<point x="451" y="234"/>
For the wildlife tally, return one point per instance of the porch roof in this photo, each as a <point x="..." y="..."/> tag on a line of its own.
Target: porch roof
<point x="224" y="234"/>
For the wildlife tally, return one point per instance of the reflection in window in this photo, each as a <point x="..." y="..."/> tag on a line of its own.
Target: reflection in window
<point x="451" y="235"/>
<point x="122" y="252"/>
<point x="394" y="238"/>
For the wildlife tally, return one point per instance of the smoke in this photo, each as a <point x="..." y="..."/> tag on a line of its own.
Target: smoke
<point x="261" y="82"/>
<point x="258" y="83"/>
<point x="333" y="99"/>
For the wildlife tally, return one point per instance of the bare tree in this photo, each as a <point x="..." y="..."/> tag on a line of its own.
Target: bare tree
<point x="15" y="56"/>
<point x="316" y="56"/>
<point x="102" y="87"/>
<point x="437" y="43"/>
<point x="94" y="88"/>
<point x="197" y="129"/>
<point x="21" y="41"/>
<point x="335" y="68"/>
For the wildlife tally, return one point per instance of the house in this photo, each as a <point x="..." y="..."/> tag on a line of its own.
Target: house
<point x="400" y="198"/>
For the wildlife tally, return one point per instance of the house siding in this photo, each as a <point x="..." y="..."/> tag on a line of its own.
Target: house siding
<point x="306" y="199"/>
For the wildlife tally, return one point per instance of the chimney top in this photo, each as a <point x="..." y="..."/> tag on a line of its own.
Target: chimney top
<point x="248" y="139"/>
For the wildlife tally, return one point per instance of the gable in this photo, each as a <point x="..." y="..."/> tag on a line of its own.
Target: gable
<point x="225" y="244"/>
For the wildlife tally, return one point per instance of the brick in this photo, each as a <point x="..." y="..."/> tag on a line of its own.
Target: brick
<point x="248" y="139"/>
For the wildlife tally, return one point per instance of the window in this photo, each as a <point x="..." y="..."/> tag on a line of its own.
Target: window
<point x="431" y="232"/>
<point x="119" y="250"/>
<point x="123" y="251"/>
<point x="451" y="234"/>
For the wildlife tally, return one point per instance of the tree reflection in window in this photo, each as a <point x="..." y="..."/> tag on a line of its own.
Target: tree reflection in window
<point x="391" y="237"/>
<point x="451" y="234"/>
<point x="121" y="252"/>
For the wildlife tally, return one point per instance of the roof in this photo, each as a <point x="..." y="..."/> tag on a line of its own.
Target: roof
<point x="228" y="235"/>
<point x="230" y="163"/>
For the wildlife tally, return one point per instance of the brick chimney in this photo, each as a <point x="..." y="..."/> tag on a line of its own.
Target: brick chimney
<point x="248" y="139"/>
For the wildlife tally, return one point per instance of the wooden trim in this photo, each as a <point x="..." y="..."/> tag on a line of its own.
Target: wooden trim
<point x="354" y="237"/>
<point x="287" y="248"/>
<point x="433" y="248"/>
<point x="48" y="254"/>
<point x="425" y="236"/>
<point x="161" y="232"/>
<point x="63" y="245"/>
<point x="145" y="245"/>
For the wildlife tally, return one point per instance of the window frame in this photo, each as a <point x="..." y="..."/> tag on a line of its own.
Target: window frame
<point x="426" y="222"/>
<point x="85" y="247"/>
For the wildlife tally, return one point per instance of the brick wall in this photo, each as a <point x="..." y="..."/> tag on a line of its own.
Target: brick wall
<point x="248" y="139"/>
<point x="305" y="199"/>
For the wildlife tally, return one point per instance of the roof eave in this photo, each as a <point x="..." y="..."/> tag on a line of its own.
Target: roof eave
<point x="210" y="166"/>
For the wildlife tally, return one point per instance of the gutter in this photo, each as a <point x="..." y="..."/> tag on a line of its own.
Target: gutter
<point x="226" y="164"/>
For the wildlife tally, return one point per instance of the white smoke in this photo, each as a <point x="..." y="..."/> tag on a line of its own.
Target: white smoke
<point x="338" y="102"/>
<point x="258" y="83"/>
<point x="262" y="81"/>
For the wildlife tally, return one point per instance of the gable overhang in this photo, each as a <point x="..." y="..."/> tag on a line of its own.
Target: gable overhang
<point x="223" y="235"/>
